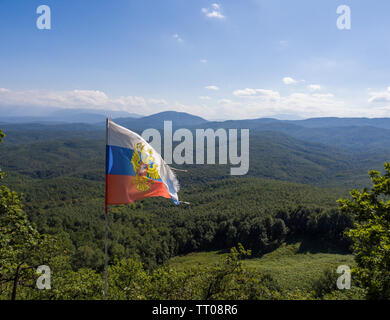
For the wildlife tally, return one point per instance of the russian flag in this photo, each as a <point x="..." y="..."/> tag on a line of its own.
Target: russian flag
<point x="134" y="170"/>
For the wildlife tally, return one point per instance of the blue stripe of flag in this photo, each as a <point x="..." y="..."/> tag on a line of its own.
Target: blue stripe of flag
<point x="119" y="161"/>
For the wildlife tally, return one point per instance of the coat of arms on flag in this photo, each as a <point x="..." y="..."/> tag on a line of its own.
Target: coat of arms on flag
<point x="145" y="167"/>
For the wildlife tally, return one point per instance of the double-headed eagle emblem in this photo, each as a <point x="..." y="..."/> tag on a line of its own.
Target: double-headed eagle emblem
<point x="144" y="167"/>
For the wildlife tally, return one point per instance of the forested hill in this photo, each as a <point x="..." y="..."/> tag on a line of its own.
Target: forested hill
<point x="289" y="194"/>
<point x="60" y="170"/>
<point x="273" y="155"/>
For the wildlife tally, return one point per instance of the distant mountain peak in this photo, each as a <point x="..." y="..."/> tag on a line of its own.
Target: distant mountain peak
<point x="179" y="119"/>
<point x="174" y="115"/>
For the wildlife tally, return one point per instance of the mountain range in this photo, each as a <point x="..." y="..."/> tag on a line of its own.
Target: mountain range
<point x="353" y="134"/>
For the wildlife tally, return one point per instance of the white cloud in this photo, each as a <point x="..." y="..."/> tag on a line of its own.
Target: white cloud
<point x="177" y="37"/>
<point x="214" y="11"/>
<point x="314" y="87"/>
<point x="203" y="60"/>
<point x="242" y="104"/>
<point x="380" y="96"/>
<point x="84" y="99"/>
<point x="225" y="101"/>
<point x="267" y="103"/>
<point x="257" y="93"/>
<point x="214" y="88"/>
<point x="245" y="92"/>
<point x="308" y="105"/>
<point x="289" y="80"/>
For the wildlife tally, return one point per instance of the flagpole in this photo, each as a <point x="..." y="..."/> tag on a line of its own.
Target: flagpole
<point x="106" y="257"/>
<point x="106" y="233"/>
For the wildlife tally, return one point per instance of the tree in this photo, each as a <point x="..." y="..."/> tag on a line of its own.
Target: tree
<point x="371" y="234"/>
<point x="22" y="247"/>
<point x="128" y="280"/>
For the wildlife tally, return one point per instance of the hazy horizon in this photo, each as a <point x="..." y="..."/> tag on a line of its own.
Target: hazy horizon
<point x="56" y="114"/>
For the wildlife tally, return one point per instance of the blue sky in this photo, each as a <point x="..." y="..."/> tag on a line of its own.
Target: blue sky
<point x="223" y="59"/>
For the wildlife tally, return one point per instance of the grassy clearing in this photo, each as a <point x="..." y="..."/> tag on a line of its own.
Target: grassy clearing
<point x="288" y="265"/>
